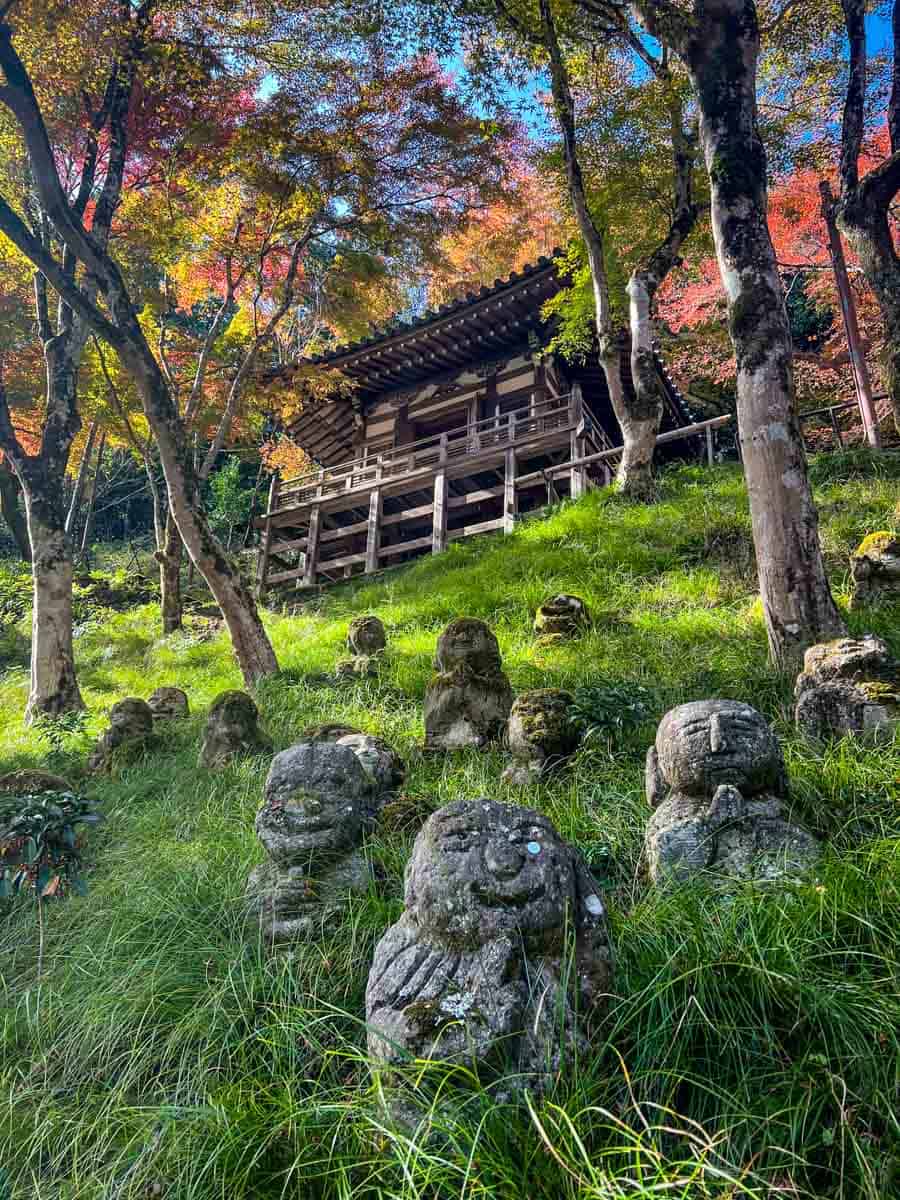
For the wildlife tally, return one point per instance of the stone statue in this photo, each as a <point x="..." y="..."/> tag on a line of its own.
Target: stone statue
<point x="541" y="734"/>
<point x="477" y="969"/>
<point x="717" y="781"/>
<point x="467" y="702"/>
<point x="384" y="767"/>
<point x="168" y="703"/>
<point x="875" y="567"/>
<point x="311" y="824"/>
<point x="560" y="618"/>
<point x="850" y="685"/>
<point x="232" y="730"/>
<point x="366" y="640"/>
<point x="130" y="724"/>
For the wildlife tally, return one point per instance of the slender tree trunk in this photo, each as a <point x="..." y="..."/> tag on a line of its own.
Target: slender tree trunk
<point x="169" y="559"/>
<point x="638" y="410"/>
<point x="80" y="480"/>
<point x="721" y="53"/>
<point x="54" y="687"/>
<point x="12" y="514"/>
<point x="89" y="515"/>
<point x="864" y="213"/>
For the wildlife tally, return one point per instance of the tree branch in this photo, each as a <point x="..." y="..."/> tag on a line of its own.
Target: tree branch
<point x="855" y="100"/>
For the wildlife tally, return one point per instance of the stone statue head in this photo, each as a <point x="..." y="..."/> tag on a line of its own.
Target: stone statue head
<point x="315" y="802"/>
<point x="469" y="644"/>
<point x="481" y="870"/>
<point x="707" y="743"/>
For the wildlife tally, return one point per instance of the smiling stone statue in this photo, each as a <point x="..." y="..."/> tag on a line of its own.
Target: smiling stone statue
<point x="502" y="955"/>
<point x="717" y="780"/>
<point x="311" y="824"/>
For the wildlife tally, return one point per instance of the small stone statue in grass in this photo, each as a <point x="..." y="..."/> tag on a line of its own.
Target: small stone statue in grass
<point x="717" y="782"/>
<point x="850" y="685"/>
<point x="382" y="764"/>
<point x="168" y="703"/>
<point x="311" y="824"/>
<point x="501" y="959"/>
<point x="541" y="734"/>
<point x="366" y="640"/>
<point x="232" y="731"/>
<point x="875" y="567"/>
<point x="130" y="724"/>
<point x="467" y="703"/>
<point x="560" y="618"/>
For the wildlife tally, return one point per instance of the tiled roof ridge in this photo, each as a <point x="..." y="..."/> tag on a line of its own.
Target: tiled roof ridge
<point x="395" y="327"/>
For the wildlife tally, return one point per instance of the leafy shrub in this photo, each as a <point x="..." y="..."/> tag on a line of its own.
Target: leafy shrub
<point x="40" y="848"/>
<point x="59" y="732"/>
<point x="15" y="591"/>
<point x="610" y="710"/>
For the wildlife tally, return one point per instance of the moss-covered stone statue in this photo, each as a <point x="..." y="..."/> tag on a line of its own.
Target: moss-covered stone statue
<point x="541" y="734"/>
<point x="168" y="703"/>
<point x="501" y="959"/>
<point x="850" y="685"/>
<point x="560" y="618"/>
<point x="130" y="724"/>
<point x="467" y="702"/>
<point x="717" y="782"/>
<point x="875" y="567"/>
<point x="311" y="824"/>
<point x="366" y="641"/>
<point x="232" y="731"/>
<point x="384" y="767"/>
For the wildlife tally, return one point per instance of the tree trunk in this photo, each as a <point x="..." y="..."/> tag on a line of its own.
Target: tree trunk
<point x="639" y="414"/>
<point x="169" y="559"/>
<point x="721" y="53"/>
<point x="54" y="688"/>
<point x="89" y="515"/>
<point x="12" y="514"/>
<point x="80" y="480"/>
<point x="864" y="213"/>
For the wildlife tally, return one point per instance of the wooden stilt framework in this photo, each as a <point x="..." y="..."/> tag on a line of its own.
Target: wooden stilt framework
<point x="426" y="506"/>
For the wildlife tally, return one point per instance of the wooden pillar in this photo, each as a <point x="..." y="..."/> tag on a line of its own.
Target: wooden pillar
<point x="577" y="477"/>
<point x="439" y="523"/>
<point x="373" y="533"/>
<point x="312" y="546"/>
<point x="510" y="504"/>
<point x="710" y="446"/>
<point x="262" y="568"/>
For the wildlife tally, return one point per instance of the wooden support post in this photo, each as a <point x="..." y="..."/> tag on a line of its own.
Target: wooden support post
<point x="509" y="491"/>
<point x="710" y="446"/>
<point x="577" y="476"/>
<point x="312" y="546"/>
<point x="439" y="519"/>
<point x="262" y="568"/>
<point x="552" y="493"/>
<point x="836" y="429"/>
<point x="373" y="532"/>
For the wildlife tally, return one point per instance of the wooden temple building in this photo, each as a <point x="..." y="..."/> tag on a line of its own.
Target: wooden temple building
<point x="458" y="423"/>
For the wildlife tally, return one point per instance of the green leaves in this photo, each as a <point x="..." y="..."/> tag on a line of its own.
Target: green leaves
<point x="38" y="836"/>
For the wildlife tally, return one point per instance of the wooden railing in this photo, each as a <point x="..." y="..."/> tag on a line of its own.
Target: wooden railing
<point x="430" y="453"/>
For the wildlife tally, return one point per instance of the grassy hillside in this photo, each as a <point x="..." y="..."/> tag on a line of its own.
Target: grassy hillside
<point x="752" y="1046"/>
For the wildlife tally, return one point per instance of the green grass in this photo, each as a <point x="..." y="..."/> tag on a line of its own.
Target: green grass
<point x="751" y="1048"/>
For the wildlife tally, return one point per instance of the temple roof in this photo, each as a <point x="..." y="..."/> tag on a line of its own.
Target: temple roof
<point x="483" y="325"/>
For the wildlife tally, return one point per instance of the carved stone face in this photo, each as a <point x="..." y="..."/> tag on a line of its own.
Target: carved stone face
<point x="468" y="643"/>
<point x="480" y="869"/>
<point x="712" y="742"/>
<point x="315" y="802"/>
